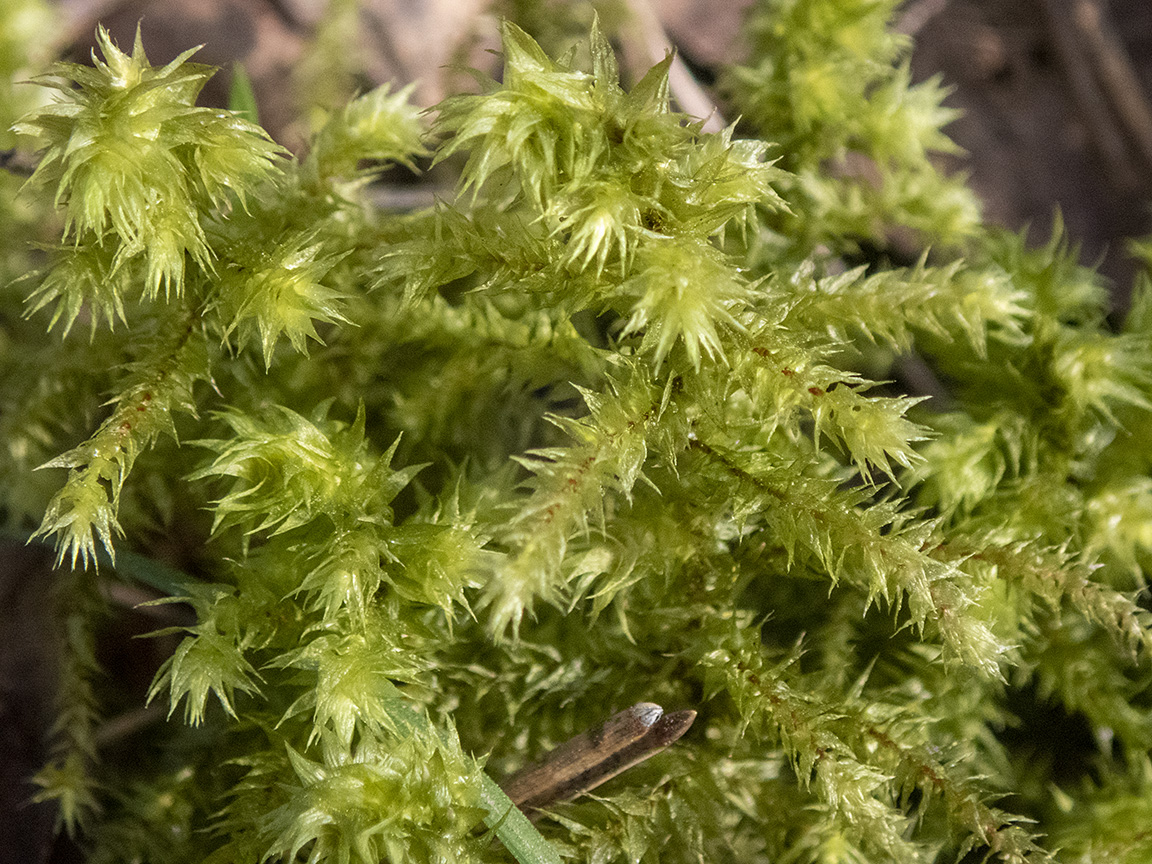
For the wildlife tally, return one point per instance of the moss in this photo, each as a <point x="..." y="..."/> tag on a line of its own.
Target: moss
<point x="610" y="426"/>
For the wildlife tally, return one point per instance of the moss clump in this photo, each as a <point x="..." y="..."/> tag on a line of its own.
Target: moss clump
<point x="613" y="425"/>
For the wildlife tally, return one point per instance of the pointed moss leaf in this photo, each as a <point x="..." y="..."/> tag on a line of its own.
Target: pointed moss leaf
<point x="241" y="96"/>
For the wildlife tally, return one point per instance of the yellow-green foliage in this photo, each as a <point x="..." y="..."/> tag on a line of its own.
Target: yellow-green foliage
<point x="614" y="424"/>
